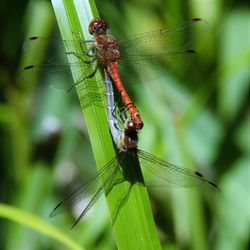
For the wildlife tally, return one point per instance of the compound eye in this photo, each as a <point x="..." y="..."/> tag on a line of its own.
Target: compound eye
<point x="98" y="26"/>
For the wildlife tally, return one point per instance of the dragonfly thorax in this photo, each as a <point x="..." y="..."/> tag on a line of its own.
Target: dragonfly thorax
<point x="107" y="49"/>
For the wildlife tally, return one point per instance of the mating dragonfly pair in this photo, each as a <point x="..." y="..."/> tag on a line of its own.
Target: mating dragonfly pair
<point x="110" y="54"/>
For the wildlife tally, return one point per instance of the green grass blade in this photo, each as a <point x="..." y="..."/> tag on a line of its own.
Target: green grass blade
<point x="133" y="225"/>
<point x="27" y="219"/>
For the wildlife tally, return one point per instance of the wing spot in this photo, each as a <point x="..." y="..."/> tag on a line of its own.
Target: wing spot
<point x="199" y="174"/>
<point x="29" y="67"/>
<point x="213" y="184"/>
<point x="191" y="51"/>
<point x="33" y="38"/>
<point x="196" y="19"/>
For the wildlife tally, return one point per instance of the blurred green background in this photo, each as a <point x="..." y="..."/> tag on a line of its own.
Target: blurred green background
<point x="199" y="120"/>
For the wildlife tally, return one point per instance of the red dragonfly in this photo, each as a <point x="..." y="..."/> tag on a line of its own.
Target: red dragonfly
<point x="170" y="45"/>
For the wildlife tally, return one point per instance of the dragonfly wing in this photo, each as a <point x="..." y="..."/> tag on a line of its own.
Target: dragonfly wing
<point x="150" y="67"/>
<point x="56" y="64"/>
<point x="31" y="73"/>
<point x="175" y="38"/>
<point x="102" y="180"/>
<point x="33" y="46"/>
<point x="58" y="75"/>
<point x="172" y="47"/>
<point x="170" y="175"/>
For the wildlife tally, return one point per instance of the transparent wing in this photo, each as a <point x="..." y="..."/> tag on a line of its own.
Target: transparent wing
<point x="150" y="67"/>
<point x="56" y="64"/>
<point x="146" y="53"/>
<point x="170" y="175"/>
<point x="175" y="38"/>
<point x="34" y="44"/>
<point x="60" y="74"/>
<point x="102" y="180"/>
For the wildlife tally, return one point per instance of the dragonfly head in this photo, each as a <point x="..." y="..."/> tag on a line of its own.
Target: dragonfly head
<point x="98" y="27"/>
<point x="135" y="122"/>
<point x="130" y="136"/>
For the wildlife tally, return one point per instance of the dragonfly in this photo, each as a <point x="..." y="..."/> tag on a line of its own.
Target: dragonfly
<point x="171" y="45"/>
<point x="156" y="172"/>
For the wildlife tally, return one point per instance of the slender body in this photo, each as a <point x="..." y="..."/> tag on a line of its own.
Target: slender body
<point x="106" y="50"/>
<point x="113" y="123"/>
<point x="127" y="138"/>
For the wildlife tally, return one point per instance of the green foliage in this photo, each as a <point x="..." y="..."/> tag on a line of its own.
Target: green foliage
<point x="137" y="225"/>
<point x="37" y="224"/>
<point x="198" y="121"/>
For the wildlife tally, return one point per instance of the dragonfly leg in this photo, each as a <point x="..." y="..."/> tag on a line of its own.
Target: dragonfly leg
<point x="83" y="77"/>
<point x="78" y="35"/>
<point x="80" y="56"/>
<point x="89" y="50"/>
<point x="86" y="41"/>
<point x="75" y="54"/>
<point x="93" y="58"/>
<point x="121" y="114"/>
